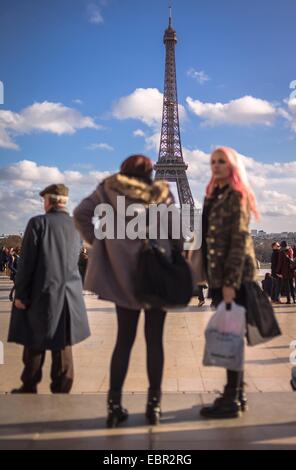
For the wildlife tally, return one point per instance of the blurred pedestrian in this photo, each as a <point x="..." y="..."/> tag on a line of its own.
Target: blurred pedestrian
<point x="285" y="272"/>
<point x="82" y="263"/>
<point x="48" y="311"/>
<point x="276" y="281"/>
<point x="228" y="256"/>
<point x="111" y="273"/>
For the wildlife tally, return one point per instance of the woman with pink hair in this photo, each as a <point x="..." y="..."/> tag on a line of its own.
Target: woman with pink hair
<point x="228" y="255"/>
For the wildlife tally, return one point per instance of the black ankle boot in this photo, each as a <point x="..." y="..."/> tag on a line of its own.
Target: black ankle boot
<point x="153" y="412"/>
<point x="226" y="406"/>
<point x="116" y="413"/>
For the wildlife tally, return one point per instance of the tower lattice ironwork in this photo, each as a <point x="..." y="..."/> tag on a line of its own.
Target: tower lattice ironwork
<point x="170" y="165"/>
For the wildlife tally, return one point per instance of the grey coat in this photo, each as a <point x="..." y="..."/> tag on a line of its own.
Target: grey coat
<point x="49" y="284"/>
<point x="112" y="264"/>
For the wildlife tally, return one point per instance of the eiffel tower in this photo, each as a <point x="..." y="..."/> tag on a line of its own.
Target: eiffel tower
<point x="170" y="165"/>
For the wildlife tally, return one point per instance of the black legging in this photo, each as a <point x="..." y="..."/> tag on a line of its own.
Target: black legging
<point x="127" y="321"/>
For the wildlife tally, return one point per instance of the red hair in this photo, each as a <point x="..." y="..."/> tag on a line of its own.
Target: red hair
<point x="238" y="179"/>
<point x="138" y="166"/>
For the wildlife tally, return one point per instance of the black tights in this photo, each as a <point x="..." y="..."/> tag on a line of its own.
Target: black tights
<point x="127" y="321"/>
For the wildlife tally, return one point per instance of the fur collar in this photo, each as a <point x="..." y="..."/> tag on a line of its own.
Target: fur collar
<point x="156" y="193"/>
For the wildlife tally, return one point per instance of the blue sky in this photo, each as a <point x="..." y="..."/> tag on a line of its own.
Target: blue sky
<point x="100" y="52"/>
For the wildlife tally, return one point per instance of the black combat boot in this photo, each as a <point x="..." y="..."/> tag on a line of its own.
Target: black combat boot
<point x="226" y="406"/>
<point x="153" y="412"/>
<point x="116" y="413"/>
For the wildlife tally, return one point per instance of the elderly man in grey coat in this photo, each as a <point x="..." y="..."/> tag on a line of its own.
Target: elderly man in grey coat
<point x="49" y="311"/>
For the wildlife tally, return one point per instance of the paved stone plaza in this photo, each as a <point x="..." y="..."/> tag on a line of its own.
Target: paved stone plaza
<point x="77" y="421"/>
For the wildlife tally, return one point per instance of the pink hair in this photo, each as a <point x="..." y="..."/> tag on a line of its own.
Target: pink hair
<point x="238" y="179"/>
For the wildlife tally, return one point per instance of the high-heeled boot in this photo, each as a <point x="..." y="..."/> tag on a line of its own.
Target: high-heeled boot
<point x="116" y="413"/>
<point x="153" y="411"/>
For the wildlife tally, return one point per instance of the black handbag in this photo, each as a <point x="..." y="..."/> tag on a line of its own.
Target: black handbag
<point x="262" y="324"/>
<point x="162" y="281"/>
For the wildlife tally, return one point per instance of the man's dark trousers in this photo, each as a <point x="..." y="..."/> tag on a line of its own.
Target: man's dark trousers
<point x="62" y="373"/>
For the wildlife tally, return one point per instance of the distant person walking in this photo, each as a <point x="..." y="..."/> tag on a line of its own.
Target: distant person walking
<point x="285" y="272"/>
<point x="111" y="272"/>
<point x="48" y="311"/>
<point x="276" y="280"/>
<point x="228" y="255"/>
<point x="82" y="263"/>
<point x="3" y="258"/>
<point x="13" y="264"/>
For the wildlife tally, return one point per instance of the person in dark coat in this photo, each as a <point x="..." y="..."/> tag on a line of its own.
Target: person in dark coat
<point x="13" y="264"/>
<point x="285" y="272"/>
<point x="276" y="281"/>
<point x="49" y="312"/>
<point x="82" y="263"/>
<point x="3" y="258"/>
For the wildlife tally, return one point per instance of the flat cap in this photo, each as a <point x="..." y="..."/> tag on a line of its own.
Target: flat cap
<point x="57" y="189"/>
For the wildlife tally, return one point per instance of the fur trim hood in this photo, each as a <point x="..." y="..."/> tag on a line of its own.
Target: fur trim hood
<point x="136" y="190"/>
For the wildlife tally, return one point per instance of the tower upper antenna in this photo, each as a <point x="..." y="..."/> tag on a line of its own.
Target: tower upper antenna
<point x="170" y="14"/>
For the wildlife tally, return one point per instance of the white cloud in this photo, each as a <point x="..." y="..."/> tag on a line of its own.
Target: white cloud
<point x="290" y="115"/>
<point x="102" y="146"/>
<point x="41" y="117"/>
<point x="242" y="111"/>
<point x="5" y="140"/>
<point x="77" y="101"/>
<point x="143" y="104"/>
<point x="273" y="184"/>
<point x="200" y="76"/>
<point x="152" y="141"/>
<point x="292" y="105"/>
<point x="21" y="183"/>
<point x="94" y="14"/>
<point x="139" y="133"/>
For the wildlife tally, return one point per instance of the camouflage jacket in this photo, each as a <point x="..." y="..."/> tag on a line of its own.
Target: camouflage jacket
<point x="229" y="245"/>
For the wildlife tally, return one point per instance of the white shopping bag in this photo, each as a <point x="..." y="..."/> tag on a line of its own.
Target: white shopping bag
<point x="225" y="337"/>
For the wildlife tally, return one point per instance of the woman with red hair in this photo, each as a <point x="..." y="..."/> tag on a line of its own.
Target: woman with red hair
<point x="228" y="255"/>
